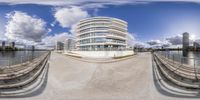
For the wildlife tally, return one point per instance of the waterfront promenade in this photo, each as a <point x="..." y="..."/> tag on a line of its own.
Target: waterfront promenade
<point x="73" y="79"/>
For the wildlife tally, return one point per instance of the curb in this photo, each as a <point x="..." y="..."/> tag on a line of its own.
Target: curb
<point x="107" y="61"/>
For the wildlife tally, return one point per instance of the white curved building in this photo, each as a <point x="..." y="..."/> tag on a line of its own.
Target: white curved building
<point x="101" y="34"/>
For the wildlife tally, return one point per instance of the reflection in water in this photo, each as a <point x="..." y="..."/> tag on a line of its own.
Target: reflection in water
<point x="185" y="53"/>
<point x="185" y="57"/>
<point x="16" y="57"/>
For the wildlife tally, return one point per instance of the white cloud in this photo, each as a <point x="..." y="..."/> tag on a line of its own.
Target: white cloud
<point x="130" y="39"/>
<point x="176" y="40"/>
<point x="51" y="40"/>
<point x="52" y="24"/>
<point x="159" y="43"/>
<point x="21" y="26"/>
<point x="154" y="42"/>
<point x="87" y="3"/>
<point x="73" y="29"/>
<point x="139" y="44"/>
<point x="69" y="16"/>
<point x="91" y="3"/>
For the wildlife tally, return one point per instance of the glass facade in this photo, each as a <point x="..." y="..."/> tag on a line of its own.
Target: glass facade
<point x="101" y="33"/>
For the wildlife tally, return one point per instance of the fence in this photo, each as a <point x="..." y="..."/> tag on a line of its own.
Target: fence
<point x="20" y="59"/>
<point x="188" y="62"/>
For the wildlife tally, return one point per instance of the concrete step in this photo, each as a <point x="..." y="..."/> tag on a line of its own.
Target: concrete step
<point x="174" y="77"/>
<point x="25" y="79"/>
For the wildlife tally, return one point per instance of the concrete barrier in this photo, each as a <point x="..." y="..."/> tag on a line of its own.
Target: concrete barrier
<point x="103" y="54"/>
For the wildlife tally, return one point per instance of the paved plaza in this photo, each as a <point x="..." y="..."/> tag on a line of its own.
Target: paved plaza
<point x="72" y="79"/>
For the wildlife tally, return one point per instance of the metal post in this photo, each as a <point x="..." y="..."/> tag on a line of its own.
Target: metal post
<point x="168" y="54"/>
<point x="195" y="70"/>
<point x="21" y="59"/>
<point x="181" y="61"/>
<point x="28" y="57"/>
<point x="173" y="58"/>
<point x="8" y="63"/>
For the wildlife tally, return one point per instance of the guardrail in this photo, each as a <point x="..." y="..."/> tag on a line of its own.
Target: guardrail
<point x="7" y="61"/>
<point x="183" y="62"/>
<point x="24" y="77"/>
<point x="177" y="72"/>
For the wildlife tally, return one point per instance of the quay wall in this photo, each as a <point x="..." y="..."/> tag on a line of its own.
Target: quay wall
<point x="103" y="54"/>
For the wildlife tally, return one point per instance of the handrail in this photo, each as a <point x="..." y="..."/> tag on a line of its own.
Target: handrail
<point x="180" y="61"/>
<point x="32" y="77"/>
<point x="24" y="71"/>
<point x="7" y="62"/>
<point x="29" y="80"/>
<point x="175" y="78"/>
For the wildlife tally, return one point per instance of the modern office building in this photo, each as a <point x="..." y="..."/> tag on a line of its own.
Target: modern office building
<point x="185" y="41"/>
<point x="59" y="46"/>
<point x="101" y="34"/>
<point x="69" y="44"/>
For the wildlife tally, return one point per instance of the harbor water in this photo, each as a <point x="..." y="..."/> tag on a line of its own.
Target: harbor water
<point x="8" y="58"/>
<point x="186" y="57"/>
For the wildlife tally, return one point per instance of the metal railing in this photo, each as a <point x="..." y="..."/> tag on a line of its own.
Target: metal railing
<point x="186" y="62"/>
<point x="22" y="59"/>
<point x="106" y="49"/>
<point x="28" y="77"/>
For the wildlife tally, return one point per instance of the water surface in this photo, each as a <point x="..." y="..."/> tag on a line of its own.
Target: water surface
<point x="186" y="57"/>
<point x="16" y="57"/>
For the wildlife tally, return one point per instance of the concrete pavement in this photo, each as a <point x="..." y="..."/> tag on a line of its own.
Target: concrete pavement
<point x="130" y="79"/>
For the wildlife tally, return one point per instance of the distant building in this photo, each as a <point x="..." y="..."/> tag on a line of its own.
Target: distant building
<point x="12" y="45"/>
<point x="69" y="44"/>
<point x="3" y="45"/>
<point x="33" y="48"/>
<point x="196" y="45"/>
<point x="185" y="41"/>
<point x="59" y="46"/>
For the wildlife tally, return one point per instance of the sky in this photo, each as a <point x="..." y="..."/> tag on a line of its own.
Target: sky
<point x="151" y="22"/>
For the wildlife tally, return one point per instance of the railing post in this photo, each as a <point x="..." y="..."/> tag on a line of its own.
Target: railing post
<point x="21" y="59"/>
<point x="8" y="63"/>
<point x="173" y="58"/>
<point x="181" y="61"/>
<point x="195" y="70"/>
<point x="168" y="54"/>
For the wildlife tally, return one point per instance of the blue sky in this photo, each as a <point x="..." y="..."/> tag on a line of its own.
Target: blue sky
<point x="147" y="21"/>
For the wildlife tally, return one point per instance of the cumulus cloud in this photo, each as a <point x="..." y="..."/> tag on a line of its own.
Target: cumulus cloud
<point x="159" y="43"/>
<point x="176" y="40"/>
<point x="21" y="26"/>
<point x="139" y="44"/>
<point x="90" y="3"/>
<point x="130" y="39"/>
<point x="154" y="42"/>
<point x="51" y="40"/>
<point x="2" y="36"/>
<point x="67" y="17"/>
